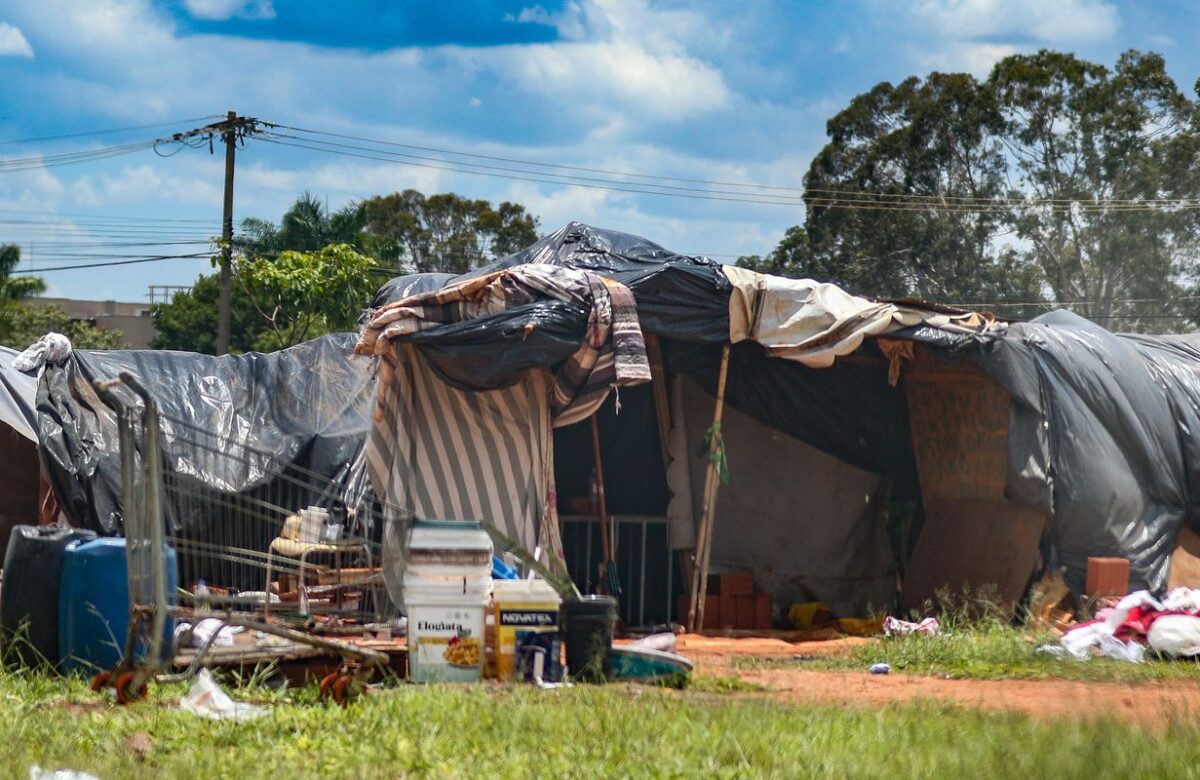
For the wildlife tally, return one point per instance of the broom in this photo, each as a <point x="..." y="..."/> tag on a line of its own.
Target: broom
<point x="608" y="567"/>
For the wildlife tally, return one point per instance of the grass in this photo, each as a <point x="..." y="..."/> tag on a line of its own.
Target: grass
<point x="984" y="650"/>
<point x="610" y="731"/>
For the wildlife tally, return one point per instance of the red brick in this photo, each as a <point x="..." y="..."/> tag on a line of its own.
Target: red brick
<point x="737" y="584"/>
<point x="1107" y="577"/>
<point x="727" y="612"/>
<point x="762" y="610"/>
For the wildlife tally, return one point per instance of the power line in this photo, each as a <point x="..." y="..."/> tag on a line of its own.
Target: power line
<point x="109" y="130"/>
<point x="153" y="259"/>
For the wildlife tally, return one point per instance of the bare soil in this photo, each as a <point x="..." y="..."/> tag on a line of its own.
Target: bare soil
<point x="1153" y="705"/>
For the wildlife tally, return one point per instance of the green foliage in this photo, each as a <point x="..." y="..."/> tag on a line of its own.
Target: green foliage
<point x="189" y="321"/>
<point x="302" y="295"/>
<point x="955" y="189"/>
<point x="307" y="226"/>
<point x="13" y="290"/>
<point x="31" y="321"/>
<point x="444" y="232"/>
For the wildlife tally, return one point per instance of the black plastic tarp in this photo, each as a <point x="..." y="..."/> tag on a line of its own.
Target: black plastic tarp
<point x="307" y="406"/>
<point x="1105" y="434"/>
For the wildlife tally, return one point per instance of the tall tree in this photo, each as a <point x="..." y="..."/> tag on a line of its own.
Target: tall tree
<point x="1038" y="183"/>
<point x="305" y="227"/>
<point x="13" y="289"/>
<point x="1079" y="133"/>
<point x="189" y="321"/>
<point x="32" y="321"/>
<point x="924" y="150"/>
<point x="443" y="232"/>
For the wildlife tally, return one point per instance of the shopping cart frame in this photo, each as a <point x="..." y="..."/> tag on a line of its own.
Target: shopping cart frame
<point x="150" y="606"/>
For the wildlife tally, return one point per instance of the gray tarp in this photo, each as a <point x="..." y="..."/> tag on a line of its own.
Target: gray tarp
<point x="1105" y="433"/>
<point x="17" y="397"/>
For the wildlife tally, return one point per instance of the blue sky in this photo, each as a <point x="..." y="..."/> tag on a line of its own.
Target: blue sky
<point x="708" y="90"/>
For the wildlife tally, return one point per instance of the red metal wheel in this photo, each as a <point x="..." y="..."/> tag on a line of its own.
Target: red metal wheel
<point x="343" y="690"/>
<point x="127" y="693"/>
<point x="100" y="680"/>
<point x="327" y="683"/>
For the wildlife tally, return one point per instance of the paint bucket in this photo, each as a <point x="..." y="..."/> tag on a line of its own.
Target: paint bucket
<point x="522" y="607"/>
<point x="588" y="625"/>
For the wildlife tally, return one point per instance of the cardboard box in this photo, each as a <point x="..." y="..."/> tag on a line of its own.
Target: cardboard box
<point x="762" y="610"/>
<point x="1107" y="577"/>
<point x="737" y="584"/>
<point x="728" y="611"/>
<point x="744" y="612"/>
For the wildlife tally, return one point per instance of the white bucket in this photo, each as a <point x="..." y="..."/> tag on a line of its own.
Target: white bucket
<point x="445" y="636"/>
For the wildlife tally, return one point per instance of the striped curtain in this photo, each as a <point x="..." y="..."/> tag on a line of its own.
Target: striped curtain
<point x="449" y="454"/>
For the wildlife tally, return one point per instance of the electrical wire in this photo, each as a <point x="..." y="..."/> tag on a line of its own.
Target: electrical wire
<point x="109" y="130"/>
<point x="152" y="259"/>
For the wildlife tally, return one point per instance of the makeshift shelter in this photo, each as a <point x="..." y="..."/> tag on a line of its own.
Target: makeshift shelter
<point x="865" y="443"/>
<point x="19" y="472"/>
<point x="853" y="423"/>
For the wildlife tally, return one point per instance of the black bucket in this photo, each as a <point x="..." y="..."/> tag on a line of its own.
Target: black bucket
<point x="587" y="627"/>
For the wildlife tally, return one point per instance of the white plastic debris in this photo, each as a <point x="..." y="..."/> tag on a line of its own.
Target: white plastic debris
<point x="51" y="348"/>
<point x="1082" y="640"/>
<point x="204" y="629"/>
<point x="37" y="773"/>
<point x="664" y="642"/>
<point x="1175" y="635"/>
<point x="881" y="668"/>
<point x="897" y="627"/>
<point x="207" y="700"/>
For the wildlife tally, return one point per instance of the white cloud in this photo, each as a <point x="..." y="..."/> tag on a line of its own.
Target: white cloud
<point x="146" y="184"/>
<point x="1057" y="22"/>
<point x="220" y="10"/>
<point x="13" y="42"/>
<point x="966" y="56"/>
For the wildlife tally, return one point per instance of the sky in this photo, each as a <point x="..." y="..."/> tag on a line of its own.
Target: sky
<point x="714" y="91"/>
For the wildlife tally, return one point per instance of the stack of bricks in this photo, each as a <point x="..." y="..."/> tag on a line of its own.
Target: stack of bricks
<point x="732" y="602"/>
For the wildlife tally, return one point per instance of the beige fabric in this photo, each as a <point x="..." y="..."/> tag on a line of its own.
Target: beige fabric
<point x="814" y="323"/>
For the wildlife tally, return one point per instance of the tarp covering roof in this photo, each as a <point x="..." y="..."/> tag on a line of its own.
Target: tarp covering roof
<point x="17" y="391"/>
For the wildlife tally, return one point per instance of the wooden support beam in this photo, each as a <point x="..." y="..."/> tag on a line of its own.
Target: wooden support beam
<point x="712" y="482"/>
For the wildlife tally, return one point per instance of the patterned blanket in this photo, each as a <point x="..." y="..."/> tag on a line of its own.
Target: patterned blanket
<point x="613" y="352"/>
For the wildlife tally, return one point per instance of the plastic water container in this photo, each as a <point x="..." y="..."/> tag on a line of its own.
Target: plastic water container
<point x="447" y="586"/>
<point x="93" y="606"/>
<point x="29" y="601"/>
<point x="522" y="608"/>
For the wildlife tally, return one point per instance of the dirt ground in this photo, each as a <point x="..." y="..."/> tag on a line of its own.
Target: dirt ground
<point x="1149" y="704"/>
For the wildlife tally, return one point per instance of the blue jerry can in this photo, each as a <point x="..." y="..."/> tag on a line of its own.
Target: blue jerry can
<point x="93" y="609"/>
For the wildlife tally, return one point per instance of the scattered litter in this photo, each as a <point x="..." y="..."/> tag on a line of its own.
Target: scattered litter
<point x="37" y="773"/>
<point x="207" y="700"/>
<point x="1175" y="635"/>
<point x="897" y="627"/>
<point x="200" y="632"/>
<point x="1058" y="651"/>
<point x="662" y="642"/>
<point x="881" y="669"/>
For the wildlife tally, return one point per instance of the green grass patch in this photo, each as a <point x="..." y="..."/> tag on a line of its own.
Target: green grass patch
<point x="984" y="651"/>
<point x="614" y="731"/>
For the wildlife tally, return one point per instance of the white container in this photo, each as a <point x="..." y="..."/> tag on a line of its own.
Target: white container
<point x="312" y="523"/>
<point x="447" y="587"/>
<point x="445" y="637"/>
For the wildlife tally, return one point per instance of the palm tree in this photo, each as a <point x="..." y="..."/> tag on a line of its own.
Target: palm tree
<point x="14" y="289"/>
<point x="306" y="227"/>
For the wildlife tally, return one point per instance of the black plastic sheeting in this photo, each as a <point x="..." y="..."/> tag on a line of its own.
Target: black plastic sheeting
<point x="1105" y="433"/>
<point x="308" y="406"/>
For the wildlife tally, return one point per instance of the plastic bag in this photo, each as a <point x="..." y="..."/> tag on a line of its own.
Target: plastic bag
<point x="206" y="699"/>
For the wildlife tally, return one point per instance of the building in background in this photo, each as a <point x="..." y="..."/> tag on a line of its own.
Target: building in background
<point x="133" y="320"/>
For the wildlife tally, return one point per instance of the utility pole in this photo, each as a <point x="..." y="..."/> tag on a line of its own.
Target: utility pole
<point x="229" y="137"/>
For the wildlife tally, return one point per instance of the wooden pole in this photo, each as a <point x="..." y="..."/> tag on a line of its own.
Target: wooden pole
<point x="601" y="505"/>
<point x="711" y="483"/>
<point x="229" y="137"/>
<point x="662" y="402"/>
